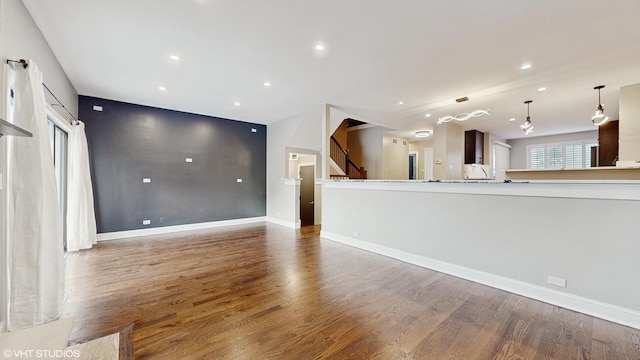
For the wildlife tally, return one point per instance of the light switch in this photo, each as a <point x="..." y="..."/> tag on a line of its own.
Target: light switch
<point x="146" y="180"/>
<point x="97" y="108"/>
<point x="253" y="130"/>
<point x="239" y="180"/>
<point x="188" y="160"/>
<point x="146" y="222"/>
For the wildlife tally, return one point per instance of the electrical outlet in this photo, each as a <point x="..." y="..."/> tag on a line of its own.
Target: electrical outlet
<point x="146" y="222"/>
<point x="97" y="108"/>
<point x="146" y="180"/>
<point x="254" y="130"/>
<point x="239" y="180"/>
<point x="188" y="160"/>
<point x="556" y="281"/>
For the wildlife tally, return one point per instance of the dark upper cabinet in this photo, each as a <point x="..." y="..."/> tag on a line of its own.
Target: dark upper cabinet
<point x="608" y="140"/>
<point x="473" y="147"/>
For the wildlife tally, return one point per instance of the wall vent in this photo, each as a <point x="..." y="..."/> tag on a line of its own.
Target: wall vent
<point x="395" y="141"/>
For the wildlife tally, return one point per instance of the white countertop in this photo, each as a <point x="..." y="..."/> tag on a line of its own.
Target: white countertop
<point x="583" y="189"/>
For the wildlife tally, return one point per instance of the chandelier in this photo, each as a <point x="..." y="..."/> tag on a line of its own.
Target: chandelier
<point x="463" y="116"/>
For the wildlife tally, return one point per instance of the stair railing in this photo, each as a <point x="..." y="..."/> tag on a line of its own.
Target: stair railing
<point x="341" y="157"/>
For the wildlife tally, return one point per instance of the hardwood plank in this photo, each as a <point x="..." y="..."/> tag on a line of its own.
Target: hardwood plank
<point x="268" y="292"/>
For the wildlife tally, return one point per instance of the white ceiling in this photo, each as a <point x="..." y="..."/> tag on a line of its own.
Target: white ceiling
<point x="424" y="53"/>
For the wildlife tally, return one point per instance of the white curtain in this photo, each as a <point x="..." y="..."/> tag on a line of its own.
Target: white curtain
<point x="81" y="221"/>
<point x="36" y="252"/>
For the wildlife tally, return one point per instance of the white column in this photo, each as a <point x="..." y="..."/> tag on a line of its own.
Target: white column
<point x="629" y="125"/>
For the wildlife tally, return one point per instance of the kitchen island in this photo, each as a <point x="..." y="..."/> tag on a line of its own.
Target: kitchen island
<point x="508" y="235"/>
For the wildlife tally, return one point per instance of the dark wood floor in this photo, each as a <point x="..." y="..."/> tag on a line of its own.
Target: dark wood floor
<point x="265" y="291"/>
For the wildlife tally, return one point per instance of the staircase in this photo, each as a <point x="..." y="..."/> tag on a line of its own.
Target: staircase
<point x="345" y="168"/>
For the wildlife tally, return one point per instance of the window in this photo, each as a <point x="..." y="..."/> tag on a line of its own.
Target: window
<point x="554" y="157"/>
<point x="573" y="155"/>
<point x="536" y="158"/>
<point x="58" y="130"/>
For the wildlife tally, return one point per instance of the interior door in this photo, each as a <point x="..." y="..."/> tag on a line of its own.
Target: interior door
<point x="307" y="185"/>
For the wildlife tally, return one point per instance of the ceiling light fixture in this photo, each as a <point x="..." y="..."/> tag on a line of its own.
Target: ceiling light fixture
<point x="237" y="103"/>
<point x="400" y="102"/>
<point x="267" y="84"/>
<point x="174" y="57"/>
<point x="319" y="46"/>
<point x="427" y="115"/>
<point x="423" y="133"/>
<point x="162" y="88"/>
<point x="512" y="119"/>
<point x="599" y="118"/>
<point x="527" y="127"/>
<point x="465" y="115"/>
<point x="525" y="66"/>
<point x="541" y="89"/>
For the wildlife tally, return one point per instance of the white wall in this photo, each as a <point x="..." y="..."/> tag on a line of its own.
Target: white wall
<point x="395" y="157"/>
<point x="629" y="124"/>
<point x="455" y="152"/>
<point x="448" y="151"/>
<point x="301" y="160"/>
<point x="365" y="148"/>
<point x="299" y="134"/>
<point x="519" y="146"/>
<point x="508" y="241"/>
<point x="20" y="38"/>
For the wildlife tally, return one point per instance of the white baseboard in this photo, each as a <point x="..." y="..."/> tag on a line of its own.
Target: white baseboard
<point x="176" y="228"/>
<point x="617" y="314"/>
<point x="290" y="225"/>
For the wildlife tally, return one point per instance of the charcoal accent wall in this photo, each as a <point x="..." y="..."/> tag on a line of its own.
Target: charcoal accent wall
<point x="129" y="142"/>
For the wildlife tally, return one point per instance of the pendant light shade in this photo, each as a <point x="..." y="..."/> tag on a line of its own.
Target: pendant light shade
<point x="527" y="127"/>
<point x="599" y="118"/>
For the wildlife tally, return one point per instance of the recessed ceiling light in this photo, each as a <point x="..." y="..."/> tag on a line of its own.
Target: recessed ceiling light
<point x="267" y="84"/>
<point x="162" y="88"/>
<point x="174" y="57"/>
<point x="525" y="66"/>
<point x="512" y="119"/>
<point x="237" y="103"/>
<point x="427" y="115"/>
<point x="400" y="102"/>
<point x="542" y="89"/>
<point x="319" y="46"/>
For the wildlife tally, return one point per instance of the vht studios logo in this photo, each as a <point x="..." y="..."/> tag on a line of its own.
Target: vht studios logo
<point x="40" y="353"/>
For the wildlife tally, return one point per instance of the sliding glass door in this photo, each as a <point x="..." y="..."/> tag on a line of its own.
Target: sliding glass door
<point x="58" y="136"/>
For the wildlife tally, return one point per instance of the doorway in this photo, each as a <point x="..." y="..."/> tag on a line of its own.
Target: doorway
<point x="413" y="165"/>
<point x="307" y="194"/>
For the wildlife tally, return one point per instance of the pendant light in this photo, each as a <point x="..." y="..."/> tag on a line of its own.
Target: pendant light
<point x="599" y="118"/>
<point x="463" y="116"/>
<point x="527" y="127"/>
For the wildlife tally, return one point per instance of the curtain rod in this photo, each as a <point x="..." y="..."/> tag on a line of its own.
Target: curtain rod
<point x="24" y="65"/>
